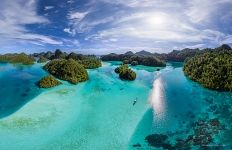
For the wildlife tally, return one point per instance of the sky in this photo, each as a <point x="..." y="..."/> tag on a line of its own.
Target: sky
<point x="105" y="26"/>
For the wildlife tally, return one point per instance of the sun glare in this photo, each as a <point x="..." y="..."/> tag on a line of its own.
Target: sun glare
<point x="157" y="98"/>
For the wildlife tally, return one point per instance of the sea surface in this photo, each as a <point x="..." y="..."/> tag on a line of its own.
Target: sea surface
<point x="99" y="114"/>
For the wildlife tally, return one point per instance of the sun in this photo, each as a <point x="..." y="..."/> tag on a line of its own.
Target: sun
<point x="156" y="20"/>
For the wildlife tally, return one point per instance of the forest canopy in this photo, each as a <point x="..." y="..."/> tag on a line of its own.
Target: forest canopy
<point x="48" y="82"/>
<point x="212" y="69"/>
<point x="125" y="72"/>
<point x="69" y="70"/>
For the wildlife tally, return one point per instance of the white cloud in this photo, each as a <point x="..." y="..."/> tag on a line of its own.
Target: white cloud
<point x="77" y="16"/>
<point x="202" y="45"/>
<point x="121" y="24"/>
<point x="204" y="10"/>
<point x="70" y="31"/>
<point x="19" y="12"/>
<point x="227" y="39"/>
<point x="48" y="7"/>
<point x="72" y="43"/>
<point x="70" y="1"/>
<point x="154" y="23"/>
<point x="83" y="22"/>
<point x="38" y="38"/>
<point x="15" y="15"/>
<point x="154" y="26"/>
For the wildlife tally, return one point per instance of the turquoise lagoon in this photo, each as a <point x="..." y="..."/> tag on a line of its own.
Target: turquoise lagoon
<point x="98" y="114"/>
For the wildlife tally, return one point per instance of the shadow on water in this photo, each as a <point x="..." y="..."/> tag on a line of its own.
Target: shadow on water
<point x="17" y="87"/>
<point x="175" y="64"/>
<point x="144" y="128"/>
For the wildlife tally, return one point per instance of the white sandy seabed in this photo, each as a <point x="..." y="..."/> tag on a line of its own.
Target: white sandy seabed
<point x="97" y="114"/>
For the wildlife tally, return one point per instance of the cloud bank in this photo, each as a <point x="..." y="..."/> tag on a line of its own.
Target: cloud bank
<point x="102" y="26"/>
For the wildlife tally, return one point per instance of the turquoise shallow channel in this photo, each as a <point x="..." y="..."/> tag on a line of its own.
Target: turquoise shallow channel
<point x="99" y="114"/>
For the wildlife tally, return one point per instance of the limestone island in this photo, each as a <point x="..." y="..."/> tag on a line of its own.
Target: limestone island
<point x="48" y="82"/>
<point x="125" y="72"/>
<point x="68" y="70"/>
<point x="212" y="69"/>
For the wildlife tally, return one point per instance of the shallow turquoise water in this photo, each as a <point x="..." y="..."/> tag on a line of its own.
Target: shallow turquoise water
<point x="99" y="114"/>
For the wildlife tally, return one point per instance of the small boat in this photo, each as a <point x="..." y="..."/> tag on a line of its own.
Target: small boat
<point x="135" y="101"/>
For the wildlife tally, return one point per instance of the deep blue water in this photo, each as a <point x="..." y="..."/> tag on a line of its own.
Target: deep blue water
<point x="180" y="104"/>
<point x="17" y="86"/>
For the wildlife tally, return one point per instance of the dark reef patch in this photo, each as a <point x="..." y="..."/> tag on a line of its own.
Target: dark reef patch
<point x="200" y="134"/>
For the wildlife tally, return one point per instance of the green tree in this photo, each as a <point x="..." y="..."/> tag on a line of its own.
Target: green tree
<point x="212" y="69"/>
<point x="48" y="82"/>
<point x="125" y="72"/>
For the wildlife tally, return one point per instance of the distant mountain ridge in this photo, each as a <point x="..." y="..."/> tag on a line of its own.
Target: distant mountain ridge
<point x="129" y="53"/>
<point x="179" y="55"/>
<point x="144" y="53"/>
<point x="140" y="58"/>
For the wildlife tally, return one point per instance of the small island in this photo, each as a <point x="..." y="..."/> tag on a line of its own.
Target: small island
<point x="212" y="69"/>
<point x="125" y="72"/>
<point x="48" y="82"/>
<point x="22" y="58"/>
<point x="69" y="70"/>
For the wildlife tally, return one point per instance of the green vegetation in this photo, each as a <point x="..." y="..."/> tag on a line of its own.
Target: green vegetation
<point x="17" y="59"/>
<point x="158" y="60"/>
<point x="126" y="62"/>
<point x="69" y="70"/>
<point x="139" y="59"/>
<point x="146" y="60"/>
<point x="180" y="55"/>
<point x="125" y="72"/>
<point x="212" y="69"/>
<point x="88" y="61"/>
<point x="48" y="82"/>
<point x="42" y="59"/>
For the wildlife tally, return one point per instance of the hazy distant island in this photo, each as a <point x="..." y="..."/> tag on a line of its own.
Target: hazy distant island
<point x="42" y="59"/>
<point x="212" y="68"/>
<point x="17" y="58"/>
<point x="140" y="58"/>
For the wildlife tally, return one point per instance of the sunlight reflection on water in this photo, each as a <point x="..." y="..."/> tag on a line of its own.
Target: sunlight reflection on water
<point x="157" y="99"/>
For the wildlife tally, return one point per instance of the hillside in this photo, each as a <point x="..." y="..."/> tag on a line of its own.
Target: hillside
<point x="211" y="69"/>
